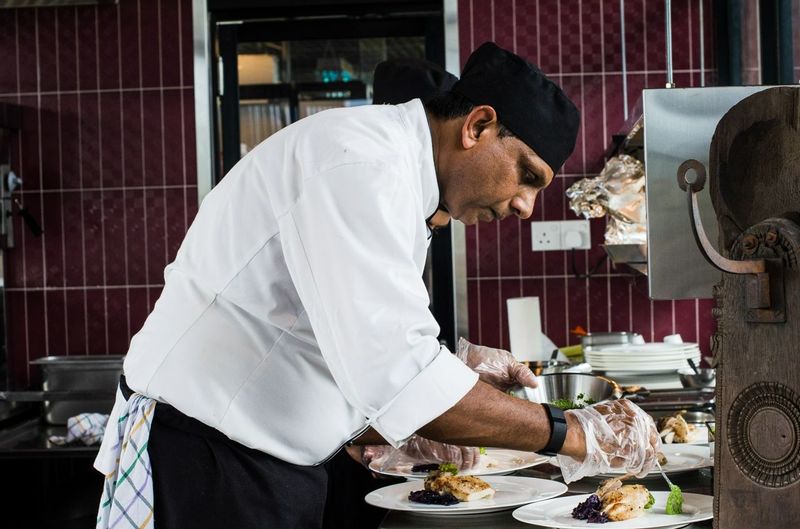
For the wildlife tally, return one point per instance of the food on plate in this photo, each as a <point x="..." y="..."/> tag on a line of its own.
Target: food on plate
<point x="674" y="500"/>
<point x="425" y="467"/>
<point x="675" y="429"/>
<point x="485" y="462"/>
<point x="662" y="459"/>
<point x="432" y="498"/>
<point x="447" y="484"/>
<point x="614" y="502"/>
<point x="581" y="401"/>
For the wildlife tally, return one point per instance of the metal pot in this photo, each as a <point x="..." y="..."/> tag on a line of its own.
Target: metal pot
<point x="553" y="386"/>
<point x="91" y="380"/>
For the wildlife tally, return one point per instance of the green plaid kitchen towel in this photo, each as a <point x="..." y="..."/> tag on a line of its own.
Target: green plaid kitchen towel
<point x="127" y="500"/>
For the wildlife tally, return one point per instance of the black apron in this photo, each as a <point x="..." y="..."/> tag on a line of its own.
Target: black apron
<point x="204" y="480"/>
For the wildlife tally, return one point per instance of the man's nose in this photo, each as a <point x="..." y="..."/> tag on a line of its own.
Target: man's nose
<point x="522" y="204"/>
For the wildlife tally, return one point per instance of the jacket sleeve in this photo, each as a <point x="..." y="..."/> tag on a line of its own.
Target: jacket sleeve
<point x="349" y="243"/>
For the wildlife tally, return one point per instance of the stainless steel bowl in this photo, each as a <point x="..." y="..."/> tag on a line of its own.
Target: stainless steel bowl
<point x="707" y="377"/>
<point x="553" y="386"/>
<point x="547" y="366"/>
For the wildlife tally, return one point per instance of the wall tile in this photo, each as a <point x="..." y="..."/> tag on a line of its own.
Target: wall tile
<point x="489" y="248"/>
<point x="26" y="50"/>
<point x="115" y="254"/>
<point x="46" y="46"/>
<point x="152" y="138"/>
<point x="55" y="306"/>
<point x="108" y="46"/>
<point x="52" y="222"/>
<point x="150" y="48"/>
<point x="87" y="47"/>
<point x="49" y="143"/>
<point x="129" y="42"/>
<point x="490" y="329"/>
<point x="510" y="246"/>
<point x="570" y="23"/>
<point x="117" y="317"/>
<point x="96" y="316"/>
<point x="111" y="152"/>
<point x="8" y="43"/>
<point x="76" y="322"/>
<point x="67" y="42"/>
<point x="170" y="43"/>
<point x="173" y="138"/>
<point x="36" y="322"/>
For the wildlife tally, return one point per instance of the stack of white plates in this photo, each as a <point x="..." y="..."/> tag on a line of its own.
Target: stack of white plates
<point x="641" y="358"/>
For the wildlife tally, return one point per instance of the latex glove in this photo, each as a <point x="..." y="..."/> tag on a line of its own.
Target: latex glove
<point x="418" y="450"/>
<point x="495" y="366"/>
<point x="619" y="436"/>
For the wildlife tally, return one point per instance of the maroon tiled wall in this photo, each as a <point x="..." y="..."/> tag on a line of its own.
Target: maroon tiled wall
<point x="108" y="161"/>
<point x="577" y="43"/>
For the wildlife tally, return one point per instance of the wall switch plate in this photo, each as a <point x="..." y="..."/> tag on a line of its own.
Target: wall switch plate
<point x="560" y="235"/>
<point x="546" y="236"/>
<point x="576" y="234"/>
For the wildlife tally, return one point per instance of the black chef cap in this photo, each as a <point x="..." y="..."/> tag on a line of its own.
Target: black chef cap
<point x="529" y="104"/>
<point x="399" y="80"/>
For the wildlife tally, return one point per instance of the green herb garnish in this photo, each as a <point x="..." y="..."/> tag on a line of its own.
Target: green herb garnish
<point x="580" y="401"/>
<point x="450" y="468"/>
<point x="482" y="450"/>
<point x="674" y="500"/>
<point x="650" y="502"/>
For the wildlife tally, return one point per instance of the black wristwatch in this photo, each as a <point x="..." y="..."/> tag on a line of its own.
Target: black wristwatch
<point x="558" y="430"/>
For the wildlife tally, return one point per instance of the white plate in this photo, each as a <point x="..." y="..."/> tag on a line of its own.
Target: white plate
<point x="505" y="462"/>
<point x="558" y="513"/>
<point x="680" y="458"/>
<point x="511" y="491"/>
<point x="648" y="348"/>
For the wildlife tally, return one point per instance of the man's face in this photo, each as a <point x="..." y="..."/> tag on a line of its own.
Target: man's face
<point x="491" y="177"/>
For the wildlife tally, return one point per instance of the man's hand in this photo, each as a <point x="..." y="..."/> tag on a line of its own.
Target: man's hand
<point x="618" y="436"/>
<point x="418" y="450"/>
<point x="495" y="366"/>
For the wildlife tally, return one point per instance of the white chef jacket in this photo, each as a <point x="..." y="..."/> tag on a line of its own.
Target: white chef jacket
<point x="295" y="315"/>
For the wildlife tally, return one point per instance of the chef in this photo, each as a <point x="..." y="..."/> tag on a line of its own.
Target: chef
<point x="294" y="319"/>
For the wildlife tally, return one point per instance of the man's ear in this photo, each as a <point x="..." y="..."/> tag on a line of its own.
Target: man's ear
<point x="477" y="121"/>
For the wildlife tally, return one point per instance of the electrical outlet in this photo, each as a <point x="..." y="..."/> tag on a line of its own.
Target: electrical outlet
<point x="545" y="236"/>
<point x="575" y="234"/>
<point x="560" y="235"/>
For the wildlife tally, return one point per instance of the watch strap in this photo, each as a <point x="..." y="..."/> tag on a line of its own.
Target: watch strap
<point x="558" y="430"/>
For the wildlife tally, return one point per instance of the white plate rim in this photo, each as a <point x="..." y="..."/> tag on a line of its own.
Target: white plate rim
<point x="689" y="498"/>
<point x="537" y="459"/>
<point x="557" y="489"/>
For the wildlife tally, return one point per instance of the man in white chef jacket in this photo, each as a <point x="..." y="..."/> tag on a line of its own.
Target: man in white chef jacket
<point x="294" y="318"/>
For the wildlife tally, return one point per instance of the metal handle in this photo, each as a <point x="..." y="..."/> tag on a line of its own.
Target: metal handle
<point x="692" y="186"/>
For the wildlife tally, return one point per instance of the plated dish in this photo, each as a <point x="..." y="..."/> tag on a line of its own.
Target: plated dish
<point x="510" y="492"/>
<point x="557" y="513"/>
<point x="495" y="462"/>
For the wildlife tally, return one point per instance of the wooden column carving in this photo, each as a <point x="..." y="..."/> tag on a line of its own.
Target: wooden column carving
<point x="754" y="168"/>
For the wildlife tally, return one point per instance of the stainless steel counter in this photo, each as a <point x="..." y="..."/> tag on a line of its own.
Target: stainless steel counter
<point x="699" y="482"/>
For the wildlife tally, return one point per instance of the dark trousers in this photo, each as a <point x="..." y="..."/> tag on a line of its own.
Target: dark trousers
<point x="204" y="480"/>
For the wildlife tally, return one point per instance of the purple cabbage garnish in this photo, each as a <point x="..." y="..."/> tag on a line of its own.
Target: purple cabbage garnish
<point x="590" y="510"/>
<point x="432" y="498"/>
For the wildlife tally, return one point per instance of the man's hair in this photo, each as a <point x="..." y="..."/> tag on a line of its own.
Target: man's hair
<point x="451" y="105"/>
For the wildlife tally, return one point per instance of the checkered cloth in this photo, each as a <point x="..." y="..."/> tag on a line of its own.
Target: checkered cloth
<point x="86" y="427"/>
<point x="127" y="500"/>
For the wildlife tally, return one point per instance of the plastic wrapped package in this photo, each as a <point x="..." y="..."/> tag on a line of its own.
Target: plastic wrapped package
<point x="617" y="192"/>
